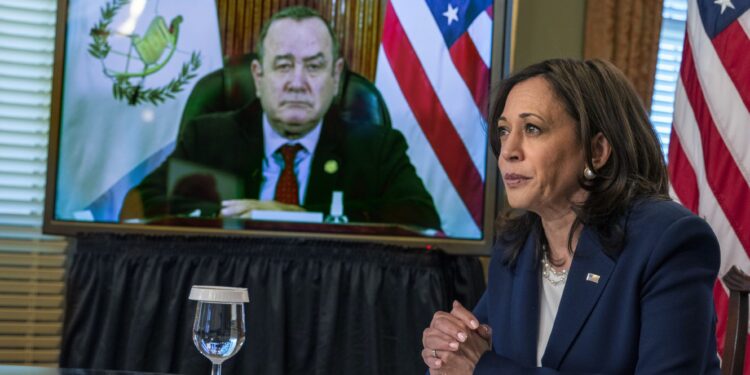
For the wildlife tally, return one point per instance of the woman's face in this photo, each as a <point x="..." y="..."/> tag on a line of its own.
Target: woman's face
<point x="540" y="158"/>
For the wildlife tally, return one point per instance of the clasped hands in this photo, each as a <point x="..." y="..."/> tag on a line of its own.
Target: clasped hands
<point x="454" y="342"/>
<point x="243" y="207"/>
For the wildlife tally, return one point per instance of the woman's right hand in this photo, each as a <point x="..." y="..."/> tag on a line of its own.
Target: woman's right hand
<point x="454" y="342"/>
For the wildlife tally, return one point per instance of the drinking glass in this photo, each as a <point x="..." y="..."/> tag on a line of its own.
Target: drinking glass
<point x="219" y="325"/>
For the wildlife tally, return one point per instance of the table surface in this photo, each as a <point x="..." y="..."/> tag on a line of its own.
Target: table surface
<point x="29" y="370"/>
<point x="386" y="229"/>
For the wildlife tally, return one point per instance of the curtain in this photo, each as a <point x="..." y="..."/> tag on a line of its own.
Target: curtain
<point x="357" y="24"/>
<point x="316" y="306"/>
<point x="626" y="32"/>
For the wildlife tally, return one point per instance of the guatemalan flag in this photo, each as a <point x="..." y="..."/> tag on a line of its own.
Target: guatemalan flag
<point x="106" y="145"/>
<point x="433" y="71"/>
<point x="709" y="149"/>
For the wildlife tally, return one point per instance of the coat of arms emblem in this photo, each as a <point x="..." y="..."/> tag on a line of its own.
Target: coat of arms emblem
<point x="146" y="54"/>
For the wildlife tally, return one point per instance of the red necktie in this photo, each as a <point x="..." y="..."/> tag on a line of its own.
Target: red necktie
<point x="287" y="189"/>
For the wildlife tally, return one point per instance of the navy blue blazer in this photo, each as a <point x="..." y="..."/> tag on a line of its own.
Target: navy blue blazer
<point x="650" y="312"/>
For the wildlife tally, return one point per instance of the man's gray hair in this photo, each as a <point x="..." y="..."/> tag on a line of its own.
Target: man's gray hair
<point x="297" y="13"/>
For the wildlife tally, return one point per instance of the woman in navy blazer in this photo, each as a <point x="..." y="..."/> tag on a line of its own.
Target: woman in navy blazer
<point x="595" y="269"/>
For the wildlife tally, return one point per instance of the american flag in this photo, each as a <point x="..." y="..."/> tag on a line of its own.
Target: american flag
<point x="433" y="71"/>
<point x="709" y="149"/>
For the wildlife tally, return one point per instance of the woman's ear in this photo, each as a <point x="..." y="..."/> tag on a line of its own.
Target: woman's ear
<point x="600" y="150"/>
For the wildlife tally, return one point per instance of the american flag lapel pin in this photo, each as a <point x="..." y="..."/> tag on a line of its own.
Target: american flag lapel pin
<point x="594" y="278"/>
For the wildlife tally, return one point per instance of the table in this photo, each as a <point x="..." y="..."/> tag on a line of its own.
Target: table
<point x="316" y="306"/>
<point x="235" y="224"/>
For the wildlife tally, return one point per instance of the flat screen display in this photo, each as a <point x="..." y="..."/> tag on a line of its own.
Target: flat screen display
<point x="160" y="124"/>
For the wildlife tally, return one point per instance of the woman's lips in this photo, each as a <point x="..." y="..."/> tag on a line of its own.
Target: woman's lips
<point x="514" y="179"/>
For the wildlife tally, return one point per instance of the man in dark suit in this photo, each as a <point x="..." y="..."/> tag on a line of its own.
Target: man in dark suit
<point x="291" y="148"/>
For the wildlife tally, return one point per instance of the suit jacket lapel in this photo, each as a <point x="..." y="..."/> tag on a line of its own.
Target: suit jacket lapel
<point x="524" y="306"/>
<point x="250" y="122"/>
<point x="327" y="164"/>
<point x="579" y="297"/>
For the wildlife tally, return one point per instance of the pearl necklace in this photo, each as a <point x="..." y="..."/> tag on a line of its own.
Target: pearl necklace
<point x="552" y="275"/>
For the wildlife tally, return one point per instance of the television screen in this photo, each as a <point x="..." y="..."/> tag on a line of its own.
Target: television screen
<point x="341" y="119"/>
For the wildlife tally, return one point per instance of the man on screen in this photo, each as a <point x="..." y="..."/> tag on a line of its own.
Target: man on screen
<point x="291" y="147"/>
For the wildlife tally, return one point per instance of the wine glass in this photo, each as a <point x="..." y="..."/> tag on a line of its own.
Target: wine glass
<point x="219" y="325"/>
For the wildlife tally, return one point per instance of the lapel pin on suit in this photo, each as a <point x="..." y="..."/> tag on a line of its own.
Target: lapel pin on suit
<point x="331" y="166"/>
<point x="594" y="278"/>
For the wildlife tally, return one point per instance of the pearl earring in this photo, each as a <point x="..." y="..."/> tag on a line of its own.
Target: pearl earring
<point x="588" y="174"/>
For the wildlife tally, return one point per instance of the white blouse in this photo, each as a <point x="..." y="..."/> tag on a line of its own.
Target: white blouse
<point x="549" y="302"/>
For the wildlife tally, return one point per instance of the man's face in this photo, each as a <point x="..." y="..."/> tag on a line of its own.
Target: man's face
<point x="297" y="79"/>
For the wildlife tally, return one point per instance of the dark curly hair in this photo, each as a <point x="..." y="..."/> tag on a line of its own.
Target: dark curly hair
<point x="600" y="99"/>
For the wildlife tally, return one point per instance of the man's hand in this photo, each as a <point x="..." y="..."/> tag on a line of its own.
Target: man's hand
<point x="455" y="341"/>
<point x="243" y="207"/>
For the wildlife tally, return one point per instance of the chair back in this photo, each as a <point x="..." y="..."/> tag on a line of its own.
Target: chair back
<point x="232" y="87"/>
<point x="733" y="358"/>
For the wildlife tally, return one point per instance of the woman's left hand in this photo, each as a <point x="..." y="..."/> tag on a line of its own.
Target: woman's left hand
<point x="444" y="355"/>
<point x="480" y="337"/>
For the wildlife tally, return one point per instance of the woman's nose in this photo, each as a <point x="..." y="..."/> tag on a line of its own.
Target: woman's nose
<point x="510" y="147"/>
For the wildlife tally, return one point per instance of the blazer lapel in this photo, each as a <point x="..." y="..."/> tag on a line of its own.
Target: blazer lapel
<point x="250" y="121"/>
<point x="587" y="278"/>
<point x="524" y="306"/>
<point x="326" y="166"/>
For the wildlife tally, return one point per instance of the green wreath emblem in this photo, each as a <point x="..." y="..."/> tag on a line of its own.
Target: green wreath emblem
<point x="154" y="49"/>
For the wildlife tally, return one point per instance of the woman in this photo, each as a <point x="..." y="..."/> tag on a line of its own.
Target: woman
<point x="595" y="269"/>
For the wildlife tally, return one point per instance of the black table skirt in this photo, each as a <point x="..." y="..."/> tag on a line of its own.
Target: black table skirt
<point x="316" y="306"/>
<point x="31" y="370"/>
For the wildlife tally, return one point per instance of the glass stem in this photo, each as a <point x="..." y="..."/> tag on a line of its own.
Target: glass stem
<point x="216" y="369"/>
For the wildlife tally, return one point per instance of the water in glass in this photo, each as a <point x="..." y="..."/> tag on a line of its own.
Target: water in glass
<point x="219" y="325"/>
<point x="219" y="330"/>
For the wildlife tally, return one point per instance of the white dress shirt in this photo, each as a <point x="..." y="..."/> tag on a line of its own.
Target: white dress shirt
<point x="273" y="162"/>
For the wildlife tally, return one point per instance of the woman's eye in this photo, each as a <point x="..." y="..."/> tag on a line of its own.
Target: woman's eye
<point x="532" y="129"/>
<point x="502" y="132"/>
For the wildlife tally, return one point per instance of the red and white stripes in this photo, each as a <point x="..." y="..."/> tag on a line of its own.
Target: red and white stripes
<point x="709" y="157"/>
<point x="437" y="97"/>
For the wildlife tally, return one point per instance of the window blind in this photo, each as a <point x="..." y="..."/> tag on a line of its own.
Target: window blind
<point x="31" y="264"/>
<point x="674" y="16"/>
